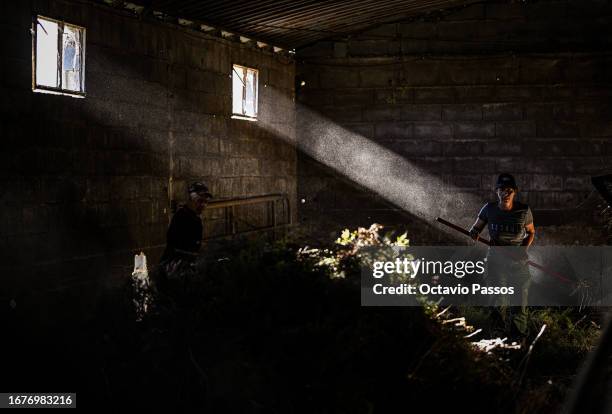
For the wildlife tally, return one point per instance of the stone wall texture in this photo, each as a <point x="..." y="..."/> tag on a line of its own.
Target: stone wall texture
<point x="519" y="87"/>
<point x="86" y="183"/>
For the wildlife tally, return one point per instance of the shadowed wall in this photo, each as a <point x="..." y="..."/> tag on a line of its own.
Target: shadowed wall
<point x="465" y="94"/>
<point x="86" y="183"/>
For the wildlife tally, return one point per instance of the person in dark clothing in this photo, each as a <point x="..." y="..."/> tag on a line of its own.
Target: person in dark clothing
<point x="510" y="223"/>
<point x="184" y="236"/>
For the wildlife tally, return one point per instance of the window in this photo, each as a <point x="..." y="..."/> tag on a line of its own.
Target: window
<point x="59" y="57"/>
<point x="244" y="93"/>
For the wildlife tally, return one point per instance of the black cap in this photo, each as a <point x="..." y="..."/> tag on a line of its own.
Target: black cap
<point x="199" y="188"/>
<point x="505" y="180"/>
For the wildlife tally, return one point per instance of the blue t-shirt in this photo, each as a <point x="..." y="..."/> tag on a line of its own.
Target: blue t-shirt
<point x="506" y="228"/>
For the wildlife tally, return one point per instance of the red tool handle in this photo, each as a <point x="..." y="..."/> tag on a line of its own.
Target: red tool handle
<point x="488" y="243"/>
<point x="462" y="230"/>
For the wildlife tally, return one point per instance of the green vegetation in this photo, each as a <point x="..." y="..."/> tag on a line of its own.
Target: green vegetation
<point x="279" y="328"/>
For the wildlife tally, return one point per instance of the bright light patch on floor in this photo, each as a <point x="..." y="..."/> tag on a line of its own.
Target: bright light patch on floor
<point x="141" y="284"/>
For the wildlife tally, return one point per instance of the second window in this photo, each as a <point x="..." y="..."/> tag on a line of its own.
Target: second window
<point x="244" y="92"/>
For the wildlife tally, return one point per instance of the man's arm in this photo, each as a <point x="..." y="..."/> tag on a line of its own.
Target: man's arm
<point x="477" y="227"/>
<point x="530" y="229"/>
<point x="481" y="222"/>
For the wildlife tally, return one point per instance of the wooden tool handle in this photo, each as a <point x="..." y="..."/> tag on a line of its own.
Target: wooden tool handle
<point x="462" y="230"/>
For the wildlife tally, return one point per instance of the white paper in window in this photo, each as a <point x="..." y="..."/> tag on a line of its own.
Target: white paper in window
<point x="71" y="59"/>
<point x="46" y="53"/>
<point x="250" y="99"/>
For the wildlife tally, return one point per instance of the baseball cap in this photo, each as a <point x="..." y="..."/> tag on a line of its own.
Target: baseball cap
<point x="199" y="188"/>
<point x="505" y="180"/>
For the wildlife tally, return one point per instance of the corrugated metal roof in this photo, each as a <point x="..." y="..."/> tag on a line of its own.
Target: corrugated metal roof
<point x="296" y="23"/>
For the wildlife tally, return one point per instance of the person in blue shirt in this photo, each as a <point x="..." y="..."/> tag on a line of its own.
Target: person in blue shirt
<point x="510" y="224"/>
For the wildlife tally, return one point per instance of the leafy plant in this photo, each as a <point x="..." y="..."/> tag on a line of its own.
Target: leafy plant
<point x="354" y="249"/>
<point x="276" y="327"/>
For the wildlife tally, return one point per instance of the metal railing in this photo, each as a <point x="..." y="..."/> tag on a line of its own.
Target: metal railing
<point x="229" y="213"/>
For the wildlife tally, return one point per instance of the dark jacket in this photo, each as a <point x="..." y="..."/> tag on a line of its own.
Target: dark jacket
<point x="184" y="236"/>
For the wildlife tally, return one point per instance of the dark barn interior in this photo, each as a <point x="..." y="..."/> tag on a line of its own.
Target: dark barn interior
<point x="392" y="112"/>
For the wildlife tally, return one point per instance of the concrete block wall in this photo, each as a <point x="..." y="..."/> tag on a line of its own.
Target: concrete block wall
<point x="497" y="86"/>
<point x="87" y="182"/>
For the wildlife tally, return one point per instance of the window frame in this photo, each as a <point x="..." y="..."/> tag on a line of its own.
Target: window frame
<point x="244" y="90"/>
<point x="60" y="50"/>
